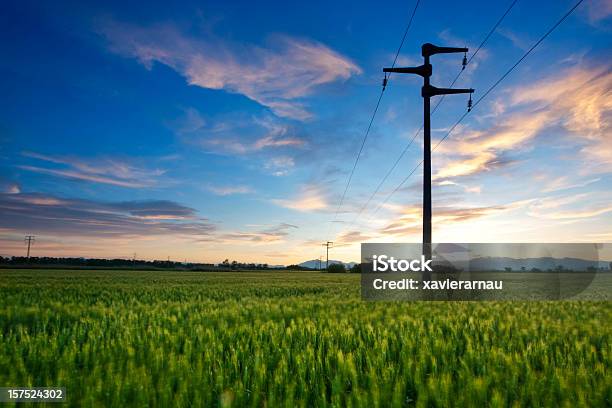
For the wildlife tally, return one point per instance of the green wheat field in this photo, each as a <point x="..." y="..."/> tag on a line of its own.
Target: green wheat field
<point x="263" y="339"/>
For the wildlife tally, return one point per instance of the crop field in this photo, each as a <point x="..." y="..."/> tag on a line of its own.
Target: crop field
<point x="182" y="339"/>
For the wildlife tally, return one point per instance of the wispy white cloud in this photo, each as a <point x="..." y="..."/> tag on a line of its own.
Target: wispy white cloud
<point x="567" y="182"/>
<point x="583" y="213"/>
<point x="466" y="188"/>
<point x="75" y="175"/>
<point x="570" y="207"/>
<point x="105" y="170"/>
<point x="278" y="76"/>
<point x="516" y="39"/>
<point x="598" y="10"/>
<point x="274" y="234"/>
<point x="230" y="190"/>
<point x="236" y="135"/>
<point x="277" y="135"/>
<point x="280" y="165"/>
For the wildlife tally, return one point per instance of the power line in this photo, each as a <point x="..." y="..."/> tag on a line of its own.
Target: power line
<point x="488" y="91"/>
<point x="482" y="43"/>
<point x="365" y="137"/>
<point x="399" y="158"/>
<point x="405" y="33"/>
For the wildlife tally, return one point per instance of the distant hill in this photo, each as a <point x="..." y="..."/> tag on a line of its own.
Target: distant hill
<point x="314" y="264"/>
<point x="517" y="264"/>
<point x="543" y="263"/>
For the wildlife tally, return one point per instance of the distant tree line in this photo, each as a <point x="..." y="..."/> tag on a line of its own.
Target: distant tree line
<point x="300" y="268"/>
<point x="93" y="262"/>
<point x="234" y="265"/>
<point x="122" y="263"/>
<point x="52" y="262"/>
<point x="341" y="268"/>
<point x="333" y="268"/>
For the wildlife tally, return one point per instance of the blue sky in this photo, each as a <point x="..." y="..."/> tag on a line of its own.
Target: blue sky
<point x="208" y="130"/>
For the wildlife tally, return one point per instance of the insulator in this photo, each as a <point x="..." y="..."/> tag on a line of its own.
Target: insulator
<point x="384" y="82"/>
<point x="464" y="62"/>
<point x="470" y="104"/>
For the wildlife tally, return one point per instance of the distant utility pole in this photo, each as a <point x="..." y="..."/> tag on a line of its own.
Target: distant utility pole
<point x="327" y="245"/>
<point x="320" y="256"/>
<point x="427" y="91"/>
<point x="29" y="239"/>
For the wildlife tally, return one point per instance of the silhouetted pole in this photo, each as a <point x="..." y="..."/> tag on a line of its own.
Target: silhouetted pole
<point x="29" y="239"/>
<point x="425" y="70"/>
<point x="327" y="245"/>
<point x="426" y="163"/>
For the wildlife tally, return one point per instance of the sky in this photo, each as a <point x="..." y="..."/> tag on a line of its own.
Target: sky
<point x="201" y="131"/>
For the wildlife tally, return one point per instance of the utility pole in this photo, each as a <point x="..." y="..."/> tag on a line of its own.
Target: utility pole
<point x="320" y="256"/>
<point x="427" y="91"/>
<point x="327" y="245"/>
<point x="29" y="239"/>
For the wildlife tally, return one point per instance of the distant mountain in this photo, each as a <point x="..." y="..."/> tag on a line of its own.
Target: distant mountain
<point x="314" y="264"/>
<point x="517" y="264"/>
<point x="543" y="263"/>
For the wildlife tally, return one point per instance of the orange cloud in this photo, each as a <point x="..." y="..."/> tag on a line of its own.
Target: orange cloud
<point x="310" y="199"/>
<point x="469" y="165"/>
<point x="410" y="219"/>
<point x="351" y="237"/>
<point x="578" y="99"/>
